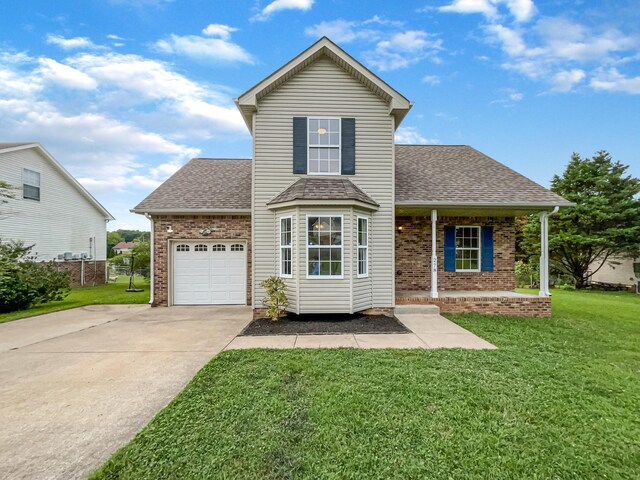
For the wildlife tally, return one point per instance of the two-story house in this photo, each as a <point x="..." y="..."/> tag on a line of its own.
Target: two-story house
<point x="52" y="212"/>
<point x="350" y="221"/>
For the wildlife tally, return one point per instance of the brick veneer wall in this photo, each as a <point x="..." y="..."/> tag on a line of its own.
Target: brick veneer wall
<point x="94" y="273"/>
<point x="413" y="255"/>
<point x="188" y="227"/>
<point x="519" y="307"/>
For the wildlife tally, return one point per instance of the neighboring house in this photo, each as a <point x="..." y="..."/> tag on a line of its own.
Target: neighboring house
<point x="53" y="212"/>
<point x="124" y="247"/>
<point x="343" y="215"/>
<point x="617" y="271"/>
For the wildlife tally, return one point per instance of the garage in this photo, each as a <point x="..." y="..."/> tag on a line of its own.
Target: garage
<point x="209" y="272"/>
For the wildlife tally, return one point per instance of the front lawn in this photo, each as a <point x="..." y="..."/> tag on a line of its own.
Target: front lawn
<point x="559" y="399"/>
<point x="111" y="293"/>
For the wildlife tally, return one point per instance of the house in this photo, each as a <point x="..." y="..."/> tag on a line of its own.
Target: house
<point x="124" y="247"/>
<point x="53" y="212"/>
<point x="617" y="271"/>
<point x="350" y="221"/>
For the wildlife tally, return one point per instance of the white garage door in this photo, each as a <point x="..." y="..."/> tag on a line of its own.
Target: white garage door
<point x="206" y="273"/>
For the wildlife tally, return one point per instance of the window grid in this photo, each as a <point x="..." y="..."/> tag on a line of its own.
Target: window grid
<point x="467" y="249"/>
<point x="218" y="248"/>
<point x="237" y="247"/>
<point x="30" y="184"/>
<point x="324" y="142"/>
<point x="324" y="246"/>
<point x="200" y="248"/>
<point x="286" y="243"/>
<point x="363" y="247"/>
<point x="182" y="248"/>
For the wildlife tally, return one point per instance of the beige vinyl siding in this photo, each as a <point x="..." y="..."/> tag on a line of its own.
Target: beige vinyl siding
<point x="324" y="89"/>
<point x="62" y="221"/>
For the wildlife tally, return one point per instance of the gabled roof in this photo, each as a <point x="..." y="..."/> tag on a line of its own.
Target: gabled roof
<point x="6" y="147"/>
<point x="459" y="175"/>
<point x="124" y="245"/>
<point x="203" y="185"/>
<point x="321" y="189"/>
<point x="248" y="101"/>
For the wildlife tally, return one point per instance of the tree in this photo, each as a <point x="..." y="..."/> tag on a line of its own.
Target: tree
<point x="113" y="238"/>
<point x="6" y="193"/>
<point x="605" y="222"/>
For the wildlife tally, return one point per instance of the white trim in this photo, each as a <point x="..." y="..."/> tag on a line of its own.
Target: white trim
<point x="306" y="241"/>
<point x="290" y="246"/>
<point x="478" y="248"/>
<point x="338" y="147"/>
<point x="329" y="203"/>
<point x="365" y="247"/>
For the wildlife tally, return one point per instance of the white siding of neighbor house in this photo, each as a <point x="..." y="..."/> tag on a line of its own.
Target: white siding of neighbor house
<point x="615" y="270"/>
<point x="324" y="89"/>
<point x="62" y="221"/>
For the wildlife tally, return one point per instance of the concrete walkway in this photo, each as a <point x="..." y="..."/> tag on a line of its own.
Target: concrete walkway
<point x="77" y="385"/>
<point x="428" y="330"/>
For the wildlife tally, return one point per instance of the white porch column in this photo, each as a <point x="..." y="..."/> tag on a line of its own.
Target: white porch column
<point x="544" y="254"/>
<point x="434" y="256"/>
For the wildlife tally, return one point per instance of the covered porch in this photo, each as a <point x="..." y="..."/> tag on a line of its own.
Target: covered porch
<point x="438" y="264"/>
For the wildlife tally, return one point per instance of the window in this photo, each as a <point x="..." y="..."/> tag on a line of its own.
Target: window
<point x="30" y="184"/>
<point x="237" y="247"/>
<point x="324" y="146"/>
<point x="467" y="249"/>
<point x="324" y="246"/>
<point x="200" y="248"/>
<point x="218" y="248"/>
<point x="286" y="243"/>
<point x="182" y="248"/>
<point x="363" y="247"/>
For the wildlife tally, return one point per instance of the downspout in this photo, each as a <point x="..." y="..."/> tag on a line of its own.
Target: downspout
<point x="544" y="251"/>
<point x="152" y="255"/>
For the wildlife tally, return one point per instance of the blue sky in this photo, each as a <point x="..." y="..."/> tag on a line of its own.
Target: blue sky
<point x="123" y="92"/>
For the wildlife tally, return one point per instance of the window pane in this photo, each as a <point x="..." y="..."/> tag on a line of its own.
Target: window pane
<point x="313" y="125"/>
<point x="313" y="153"/>
<point x="334" y="125"/>
<point x="334" y="166"/>
<point x="473" y="264"/>
<point x="323" y="139"/>
<point x="313" y="223"/>
<point x="314" y="254"/>
<point x="336" y="224"/>
<point x="336" y="268"/>
<point x="325" y="238"/>
<point x="313" y="166"/>
<point x="325" y="254"/>
<point x="313" y="239"/>
<point x="334" y="153"/>
<point x="314" y="268"/>
<point x="324" y="166"/>
<point x="313" y="138"/>
<point x="334" y="139"/>
<point x="31" y="178"/>
<point x="336" y="254"/>
<point x="325" y="268"/>
<point x="324" y="124"/>
<point x="31" y="192"/>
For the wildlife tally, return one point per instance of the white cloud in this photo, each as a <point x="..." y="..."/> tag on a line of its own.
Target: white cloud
<point x="219" y="30"/>
<point x="71" y="43"/>
<point x="216" y="46"/>
<point x="403" y="49"/>
<point x="612" y="80"/>
<point x="112" y="36"/>
<point x="411" y="135"/>
<point x="565" y="80"/>
<point x="520" y="10"/>
<point x="278" y="5"/>
<point x="341" y="31"/>
<point x="431" y="79"/>
<point x="64" y="75"/>
<point x="516" y="96"/>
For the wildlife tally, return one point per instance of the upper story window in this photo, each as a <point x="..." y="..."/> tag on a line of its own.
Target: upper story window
<point x="467" y="249"/>
<point x="324" y="146"/>
<point x="30" y="184"/>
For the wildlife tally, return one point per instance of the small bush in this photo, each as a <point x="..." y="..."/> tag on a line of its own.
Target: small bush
<point x="276" y="297"/>
<point x="25" y="282"/>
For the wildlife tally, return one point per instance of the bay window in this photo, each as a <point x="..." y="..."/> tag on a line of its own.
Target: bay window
<point x="324" y="246"/>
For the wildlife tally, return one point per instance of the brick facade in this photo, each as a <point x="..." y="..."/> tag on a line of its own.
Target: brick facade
<point x="94" y="273"/>
<point x="189" y="227"/>
<point x="519" y="307"/>
<point x="413" y="255"/>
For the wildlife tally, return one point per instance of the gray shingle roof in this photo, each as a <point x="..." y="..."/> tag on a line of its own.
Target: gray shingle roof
<point x="323" y="189"/>
<point x="459" y="174"/>
<point x="203" y="184"/>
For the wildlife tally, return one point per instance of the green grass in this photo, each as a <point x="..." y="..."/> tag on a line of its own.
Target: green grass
<point x="110" y="293"/>
<point x="560" y="398"/>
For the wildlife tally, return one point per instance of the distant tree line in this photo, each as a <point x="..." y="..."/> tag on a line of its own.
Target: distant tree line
<point x="122" y="235"/>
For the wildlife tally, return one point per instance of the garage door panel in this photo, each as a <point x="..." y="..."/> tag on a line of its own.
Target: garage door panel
<point x="214" y="276"/>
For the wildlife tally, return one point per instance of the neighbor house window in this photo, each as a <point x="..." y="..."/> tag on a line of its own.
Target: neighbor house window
<point x="30" y="184"/>
<point x="286" y="243"/>
<point x="467" y="249"/>
<point x="324" y="146"/>
<point x="363" y="247"/>
<point x="324" y="246"/>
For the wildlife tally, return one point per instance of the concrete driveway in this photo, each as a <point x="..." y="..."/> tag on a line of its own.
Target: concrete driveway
<point x="77" y="385"/>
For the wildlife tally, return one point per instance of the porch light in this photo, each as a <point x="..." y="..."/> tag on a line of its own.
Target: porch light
<point x="400" y="227"/>
<point x="169" y="229"/>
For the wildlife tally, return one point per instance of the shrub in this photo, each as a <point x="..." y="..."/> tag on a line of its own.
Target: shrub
<point x="276" y="297"/>
<point x="25" y="282"/>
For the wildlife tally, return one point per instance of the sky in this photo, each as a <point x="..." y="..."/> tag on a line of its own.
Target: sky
<point x="124" y="92"/>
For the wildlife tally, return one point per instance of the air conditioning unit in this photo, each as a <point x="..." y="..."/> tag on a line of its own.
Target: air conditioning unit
<point x="84" y="255"/>
<point x="76" y="256"/>
<point x="68" y="255"/>
<point x="60" y="256"/>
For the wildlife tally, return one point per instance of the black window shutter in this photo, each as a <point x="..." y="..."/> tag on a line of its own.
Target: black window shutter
<point x="299" y="145"/>
<point x="348" y="141"/>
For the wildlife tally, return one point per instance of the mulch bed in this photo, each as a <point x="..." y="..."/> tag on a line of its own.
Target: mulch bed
<point x="324" y="324"/>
